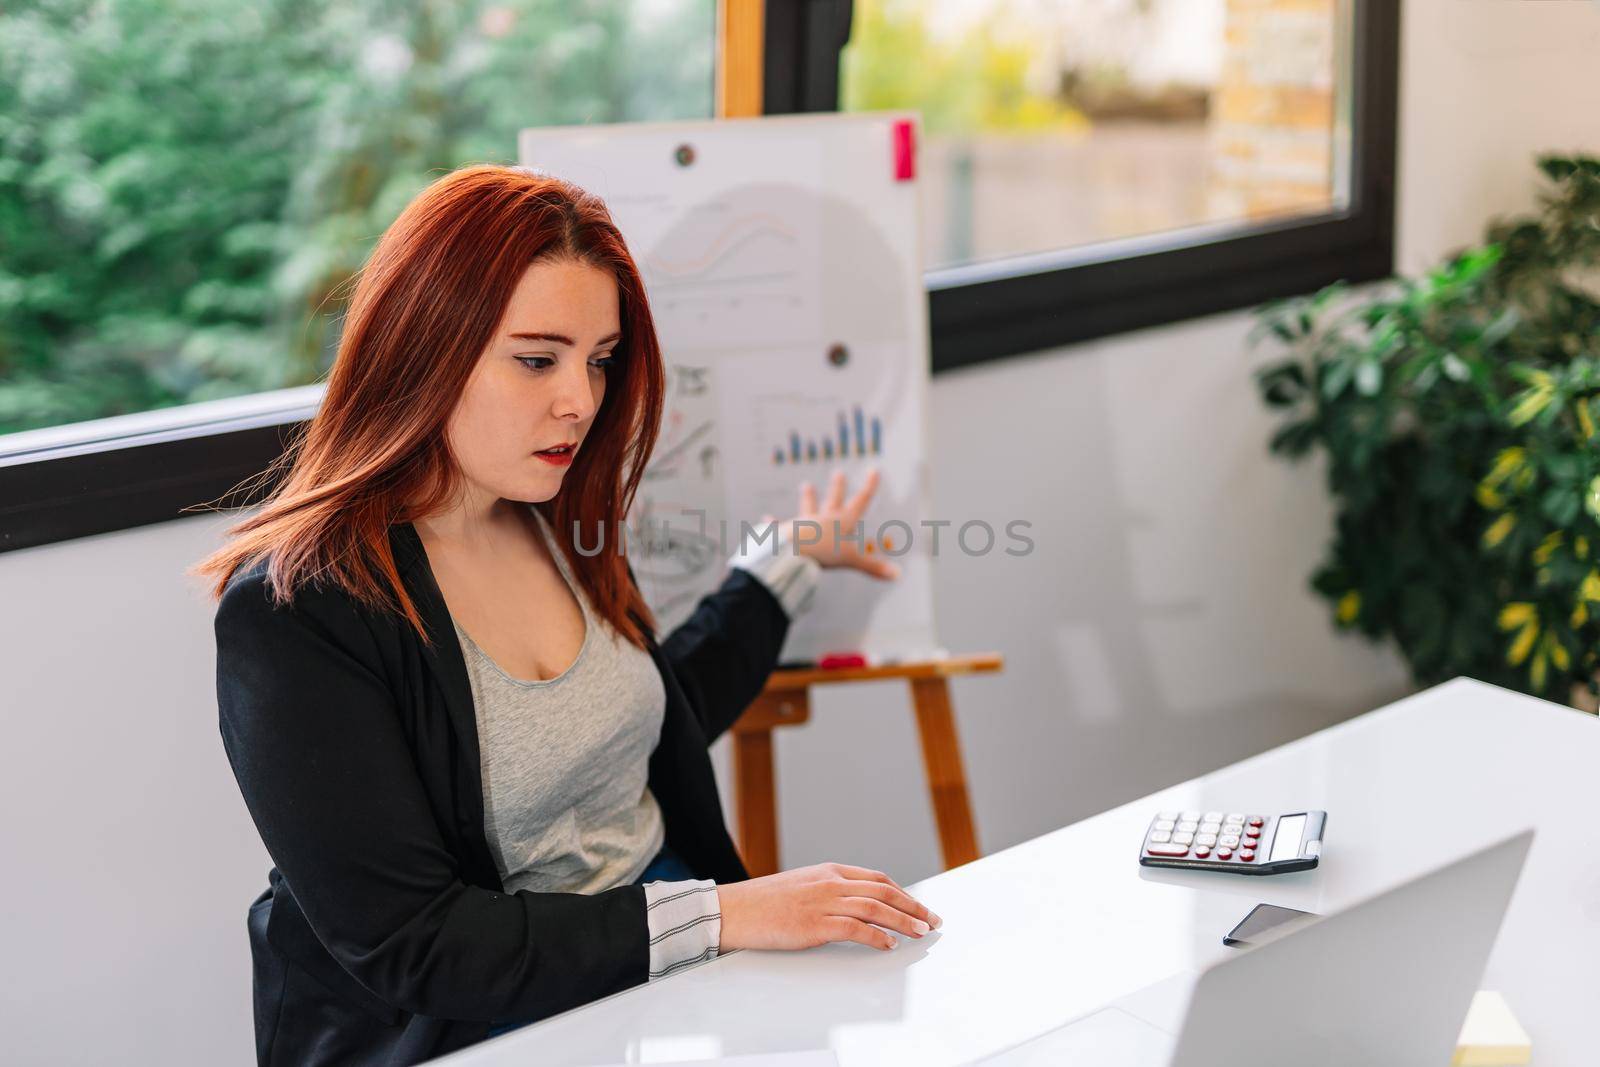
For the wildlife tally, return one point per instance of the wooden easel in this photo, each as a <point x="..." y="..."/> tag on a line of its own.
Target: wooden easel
<point x="786" y="701"/>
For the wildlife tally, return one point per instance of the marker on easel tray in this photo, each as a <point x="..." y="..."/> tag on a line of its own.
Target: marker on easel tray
<point x="841" y="661"/>
<point x="905" y="151"/>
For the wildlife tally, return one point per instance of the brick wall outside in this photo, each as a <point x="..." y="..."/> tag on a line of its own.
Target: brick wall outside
<point x="1271" y="126"/>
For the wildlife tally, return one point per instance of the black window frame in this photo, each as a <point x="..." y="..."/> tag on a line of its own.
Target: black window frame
<point x="977" y="313"/>
<point x="107" y="484"/>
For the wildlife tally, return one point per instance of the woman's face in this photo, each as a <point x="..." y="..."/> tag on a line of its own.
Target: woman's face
<point x="538" y="384"/>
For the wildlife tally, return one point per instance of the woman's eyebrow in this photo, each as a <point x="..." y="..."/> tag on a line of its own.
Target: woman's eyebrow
<point x="561" y="338"/>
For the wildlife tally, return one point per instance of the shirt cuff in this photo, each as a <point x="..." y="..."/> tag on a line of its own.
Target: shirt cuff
<point x="685" y="921"/>
<point x="773" y="562"/>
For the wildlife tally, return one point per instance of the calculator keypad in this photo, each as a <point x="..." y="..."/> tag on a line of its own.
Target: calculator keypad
<point x="1227" y="837"/>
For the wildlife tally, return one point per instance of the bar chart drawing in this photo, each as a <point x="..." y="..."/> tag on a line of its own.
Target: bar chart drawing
<point x="859" y="436"/>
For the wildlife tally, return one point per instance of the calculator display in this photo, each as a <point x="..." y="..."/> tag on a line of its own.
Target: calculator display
<point x="1286" y="842"/>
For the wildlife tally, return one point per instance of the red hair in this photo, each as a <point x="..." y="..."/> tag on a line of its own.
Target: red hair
<point x="425" y="307"/>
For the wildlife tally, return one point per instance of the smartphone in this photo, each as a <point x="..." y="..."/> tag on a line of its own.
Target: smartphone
<point x="1262" y="917"/>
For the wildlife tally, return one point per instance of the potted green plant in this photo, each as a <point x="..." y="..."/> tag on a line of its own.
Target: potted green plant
<point x="1456" y="416"/>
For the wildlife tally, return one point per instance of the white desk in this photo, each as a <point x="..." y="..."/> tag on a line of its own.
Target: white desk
<point x="1055" y="928"/>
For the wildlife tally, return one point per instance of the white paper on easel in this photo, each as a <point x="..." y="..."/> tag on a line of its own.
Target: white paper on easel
<point x="784" y="274"/>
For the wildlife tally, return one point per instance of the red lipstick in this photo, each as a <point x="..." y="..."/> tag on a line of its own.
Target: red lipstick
<point x="559" y="455"/>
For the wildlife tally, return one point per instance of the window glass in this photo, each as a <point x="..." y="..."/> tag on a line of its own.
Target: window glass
<point x="1049" y="125"/>
<point x="187" y="186"/>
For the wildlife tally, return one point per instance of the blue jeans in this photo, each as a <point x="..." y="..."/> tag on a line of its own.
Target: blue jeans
<point x="666" y="867"/>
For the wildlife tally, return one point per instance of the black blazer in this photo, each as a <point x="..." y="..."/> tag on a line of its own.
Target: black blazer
<point x="385" y="935"/>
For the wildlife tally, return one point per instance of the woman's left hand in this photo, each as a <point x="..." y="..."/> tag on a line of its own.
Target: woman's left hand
<point x="828" y="533"/>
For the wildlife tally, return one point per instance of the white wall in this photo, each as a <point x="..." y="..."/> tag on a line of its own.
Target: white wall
<point x="1161" y="628"/>
<point x="1485" y="84"/>
<point x="128" y="857"/>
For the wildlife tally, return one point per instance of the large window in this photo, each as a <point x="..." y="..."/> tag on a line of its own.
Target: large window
<point x="1093" y="166"/>
<point x="186" y="186"/>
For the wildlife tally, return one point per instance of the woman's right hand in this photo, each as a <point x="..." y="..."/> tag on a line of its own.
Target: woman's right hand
<point x="812" y="906"/>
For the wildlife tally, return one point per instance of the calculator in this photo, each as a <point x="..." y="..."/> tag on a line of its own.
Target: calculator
<point x="1236" y="842"/>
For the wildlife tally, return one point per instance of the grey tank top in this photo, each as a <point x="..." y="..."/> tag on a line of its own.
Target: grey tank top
<point x="565" y="761"/>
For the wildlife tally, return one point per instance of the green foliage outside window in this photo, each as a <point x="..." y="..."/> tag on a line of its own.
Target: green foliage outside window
<point x="1456" y="416"/>
<point x="972" y="83"/>
<point x="187" y="186"/>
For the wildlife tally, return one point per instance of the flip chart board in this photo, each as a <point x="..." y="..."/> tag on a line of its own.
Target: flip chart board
<point x="780" y="259"/>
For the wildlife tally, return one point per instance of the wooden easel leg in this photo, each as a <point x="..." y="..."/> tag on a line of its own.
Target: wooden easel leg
<point x="947" y="781"/>
<point x="755" y="798"/>
<point x="756" y="801"/>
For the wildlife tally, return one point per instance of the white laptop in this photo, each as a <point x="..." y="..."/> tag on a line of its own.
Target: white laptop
<point x="1386" y="981"/>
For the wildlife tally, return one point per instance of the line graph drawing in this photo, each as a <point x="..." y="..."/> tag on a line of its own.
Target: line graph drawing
<point x="742" y="230"/>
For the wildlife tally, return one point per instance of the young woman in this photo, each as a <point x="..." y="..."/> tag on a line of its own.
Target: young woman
<point x="482" y="778"/>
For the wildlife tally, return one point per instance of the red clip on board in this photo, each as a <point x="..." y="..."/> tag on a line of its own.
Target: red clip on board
<point x="905" y="152"/>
